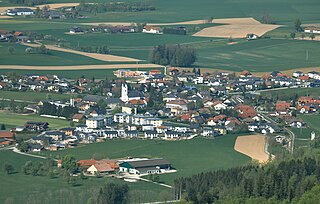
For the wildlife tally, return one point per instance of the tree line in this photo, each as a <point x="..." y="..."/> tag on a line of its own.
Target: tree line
<point x="115" y="7"/>
<point x="51" y="109"/>
<point x="28" y="2"/>
<point x="285" y="181"/>
<point x="174" y="55"/>
<point x="94" y="49"/>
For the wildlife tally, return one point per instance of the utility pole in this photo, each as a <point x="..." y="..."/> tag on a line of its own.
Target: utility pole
<point x="307" y="54"/>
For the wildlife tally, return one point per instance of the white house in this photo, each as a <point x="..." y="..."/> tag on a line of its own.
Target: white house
<point x="198" y="80"/>
<point x="312" y="30"/>
<point x="219" y="106"/>
<point x="20" y="12"/>
<point x="151" y="29"/>
<point x="150" y="134"/>
<point x="297" y="74"/>
<point x="171" y="135"/>
<point x="95" y="122"/>
<point x="122" y="118"/>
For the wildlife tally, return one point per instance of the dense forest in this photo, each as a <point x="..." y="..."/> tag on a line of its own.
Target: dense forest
<point x="115" y="7"/>
<point x="174" y="55"/>
<point x="286" y="180"/>
<point x="28" y="2"/>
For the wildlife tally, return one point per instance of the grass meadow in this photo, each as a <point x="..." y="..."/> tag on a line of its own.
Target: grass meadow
<point x="20" y="188"/>
<point x="206" y="155"/>
<point x="34" y="96"/>
<point x="285" y="94"/>
<point x="12" y="119"/>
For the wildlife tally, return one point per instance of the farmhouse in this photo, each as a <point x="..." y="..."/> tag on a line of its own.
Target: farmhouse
<point x="103" y="167"/>
<point x="7" y="138"/>
<point x="20" y="12"/>
<point x="151" y="29"/>
<point x="312" y="30"/>
<point x="74" y="30"/>
<point x="145" y="166"/>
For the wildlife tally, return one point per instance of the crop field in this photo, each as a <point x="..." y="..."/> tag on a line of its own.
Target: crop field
<point x="206" y="154"/>
<point x="260" y="56"/>
<point x="12" y="119"/>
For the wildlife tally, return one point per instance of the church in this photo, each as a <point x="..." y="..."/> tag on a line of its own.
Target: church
<point x="126" y="96"/>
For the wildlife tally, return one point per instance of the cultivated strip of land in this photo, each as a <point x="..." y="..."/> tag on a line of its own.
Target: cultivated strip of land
<point x="235" y="28"/>
<point x="252" y="146"/>
<point x="194" y="22"/>
<point x="82" y="67"/>
<point x="102" y="57"/>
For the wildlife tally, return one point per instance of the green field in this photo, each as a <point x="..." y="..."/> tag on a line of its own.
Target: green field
<point x="261" y="55"/>
<point x="34" y="96"/>
<point x="286" y="94"/>
<point x="54" y="58"/>
<point x="313" y="121"/>
<point x="206" y="154"/>
<point x="11" y="119"/>
<point x="21" y="188"/>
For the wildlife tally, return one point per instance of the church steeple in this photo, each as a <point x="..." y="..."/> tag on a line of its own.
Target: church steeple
<point x="124" y="93"/>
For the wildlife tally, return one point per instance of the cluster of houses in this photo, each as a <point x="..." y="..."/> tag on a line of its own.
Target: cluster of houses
<point x="127" y="109"/>
<point x="15" y="36"/>
<point x="135" y="166"/>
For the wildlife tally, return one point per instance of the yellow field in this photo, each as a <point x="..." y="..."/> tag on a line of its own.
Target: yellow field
<point x="253" y="146"/>
<point x="236" y="28"/>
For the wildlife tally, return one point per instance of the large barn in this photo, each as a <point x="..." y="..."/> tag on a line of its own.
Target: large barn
<point x="145" y="166"/>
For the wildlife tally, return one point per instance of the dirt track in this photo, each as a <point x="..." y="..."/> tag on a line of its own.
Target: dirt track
<point x="235" y="28"/>
<point x="102" y="57"/>
<point x="81" y="67"/>
<point x="252" y="146"/>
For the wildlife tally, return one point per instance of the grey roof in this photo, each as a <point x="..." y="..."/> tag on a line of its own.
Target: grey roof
<point x="149" y="162"/>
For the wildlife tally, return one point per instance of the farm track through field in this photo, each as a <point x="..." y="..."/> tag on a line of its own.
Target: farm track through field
<point x="102" y="57"/>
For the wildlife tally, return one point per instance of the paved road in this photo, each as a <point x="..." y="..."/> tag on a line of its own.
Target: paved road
<point x="292" y="135"/>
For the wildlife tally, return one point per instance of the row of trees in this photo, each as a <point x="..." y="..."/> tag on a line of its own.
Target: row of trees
<point x="94" y="49"/>
<point x="283" y="181"/>
<point x="42" y="49"/>
<point x="174" y="55"/>
<point x="116" y="7"/>
<point x="51" y="109"/>
<point x="28" y="2"/>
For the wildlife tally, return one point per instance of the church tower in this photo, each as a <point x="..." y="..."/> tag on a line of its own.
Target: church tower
<point x="124" y="93"/>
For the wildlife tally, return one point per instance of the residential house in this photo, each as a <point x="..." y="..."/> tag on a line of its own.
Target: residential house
<point x="95" y="122"/>
<point x="103" y="167"/>
<point x="151" y="134"/>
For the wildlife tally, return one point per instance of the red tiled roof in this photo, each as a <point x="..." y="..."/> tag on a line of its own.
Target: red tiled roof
<point x="86" y="163"/>
<point x="8" y="135"/>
